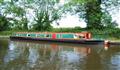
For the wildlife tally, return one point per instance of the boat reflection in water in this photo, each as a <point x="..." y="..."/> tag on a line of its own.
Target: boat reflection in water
<point x="40" y="55"/>
<point x="55" y="56"/>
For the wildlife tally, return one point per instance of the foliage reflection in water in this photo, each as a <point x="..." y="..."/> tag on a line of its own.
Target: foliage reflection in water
<point x="57" y="56"/>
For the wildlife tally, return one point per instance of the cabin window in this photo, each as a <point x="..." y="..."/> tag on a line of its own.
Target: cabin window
<point x="81" y="36"/>
<point x="47" y="36"/>
<point x="75" y="36"/>
<point x="28" y="35"/>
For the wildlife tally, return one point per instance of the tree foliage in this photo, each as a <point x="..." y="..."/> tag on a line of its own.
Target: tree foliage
<point x="15" y="14"/>
<point x="93" y="14"/>
<point x="1" y="1"/>
<point x="43" y="21"/>
<point x="96" y="13"/>
<point x="45" y="14"/>
<point x="107" y="21"/>
<point x="4" y="24"/>
<point x="93" y="11"/>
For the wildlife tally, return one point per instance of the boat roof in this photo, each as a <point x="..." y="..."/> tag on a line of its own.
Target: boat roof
<point x="50" y="32"/>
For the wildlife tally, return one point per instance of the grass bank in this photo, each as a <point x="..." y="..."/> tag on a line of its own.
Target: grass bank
<point x="5" y="34"/>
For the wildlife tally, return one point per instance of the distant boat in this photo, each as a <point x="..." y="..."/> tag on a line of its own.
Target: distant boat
<point x="80" y="38"/>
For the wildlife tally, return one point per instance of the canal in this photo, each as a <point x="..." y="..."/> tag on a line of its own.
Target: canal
<point x="22" y="55"/>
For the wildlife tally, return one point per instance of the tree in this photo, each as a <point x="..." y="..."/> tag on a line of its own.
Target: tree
<point x="92" y="11"/>
<point x="18" y="13"/>
<point x="93" y="14"/>
<point x="1" y="1"/>
<point x="46" y="13"/>
<point x="43" y="22"/>
<point x="107" y="21"/>
<point x="3" y="23"/>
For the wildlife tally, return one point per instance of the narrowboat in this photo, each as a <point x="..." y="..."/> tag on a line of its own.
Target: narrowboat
<point x="81" y="38"/>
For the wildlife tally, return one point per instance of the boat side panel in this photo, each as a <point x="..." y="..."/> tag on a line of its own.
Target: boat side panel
<point x="22" y="35"/>
<point x="31" y="35"/>
<point x="67" y="36"/>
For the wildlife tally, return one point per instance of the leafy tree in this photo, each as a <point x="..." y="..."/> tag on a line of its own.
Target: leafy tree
<point x="46" y="13"/>
<point x="3" y="23"/>
<point x="43" y="22"/>
<point x="19" y="8"/>
<point x="25" y="23"/>
<point x="18" y="19"/>
<point x="89" y="10"/>
<point x="93" y="10"/>
<point x="93" y="14"/>
<point x="107" y="21"/>
<point x="1" y="1"/>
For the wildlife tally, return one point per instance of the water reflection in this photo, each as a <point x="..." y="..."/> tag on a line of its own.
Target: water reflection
<point x="115" y="61"/>
<point x="40" y="55"/>
<point x="110" y="59"/>
<point x="12" y="53"/>
<point x="33" y="56"/>
<point x="56" y="56"/>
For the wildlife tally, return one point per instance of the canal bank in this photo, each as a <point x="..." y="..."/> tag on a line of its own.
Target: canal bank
<point x="7" y="36"/>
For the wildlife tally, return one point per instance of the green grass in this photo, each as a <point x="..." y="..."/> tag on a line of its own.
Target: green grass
<point x="6" y="33"/>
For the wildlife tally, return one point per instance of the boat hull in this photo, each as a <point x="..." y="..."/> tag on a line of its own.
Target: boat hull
<point x="58" y="40"/>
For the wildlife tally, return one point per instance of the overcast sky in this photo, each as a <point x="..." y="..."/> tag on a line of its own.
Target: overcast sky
<point x="70" y="21"/>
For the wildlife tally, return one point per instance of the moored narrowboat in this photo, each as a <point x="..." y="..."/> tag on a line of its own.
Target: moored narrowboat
<point x="82" y="38"/>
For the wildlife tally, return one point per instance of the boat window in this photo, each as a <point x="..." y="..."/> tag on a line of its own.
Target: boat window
<point x="81" y="36"/>
<point x="28" y="35"/>
<point x="75" y="36"/>
<point x="47" y="35"/>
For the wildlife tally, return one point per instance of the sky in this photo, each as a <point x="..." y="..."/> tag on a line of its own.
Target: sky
<point x="116" y="17"/>
<point x="70" y="21"/>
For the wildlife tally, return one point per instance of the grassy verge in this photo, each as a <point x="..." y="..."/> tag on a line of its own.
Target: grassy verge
<point x="6" y="33"/>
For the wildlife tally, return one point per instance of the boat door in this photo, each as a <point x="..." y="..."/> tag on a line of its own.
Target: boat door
<point x="88" y="35"/>
<point x="54" y="36"/>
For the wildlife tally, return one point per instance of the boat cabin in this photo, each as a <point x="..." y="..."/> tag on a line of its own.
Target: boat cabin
<point x="82" y="35"/>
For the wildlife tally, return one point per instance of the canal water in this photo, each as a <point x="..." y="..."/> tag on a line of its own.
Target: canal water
<point x="22" y="55"/>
